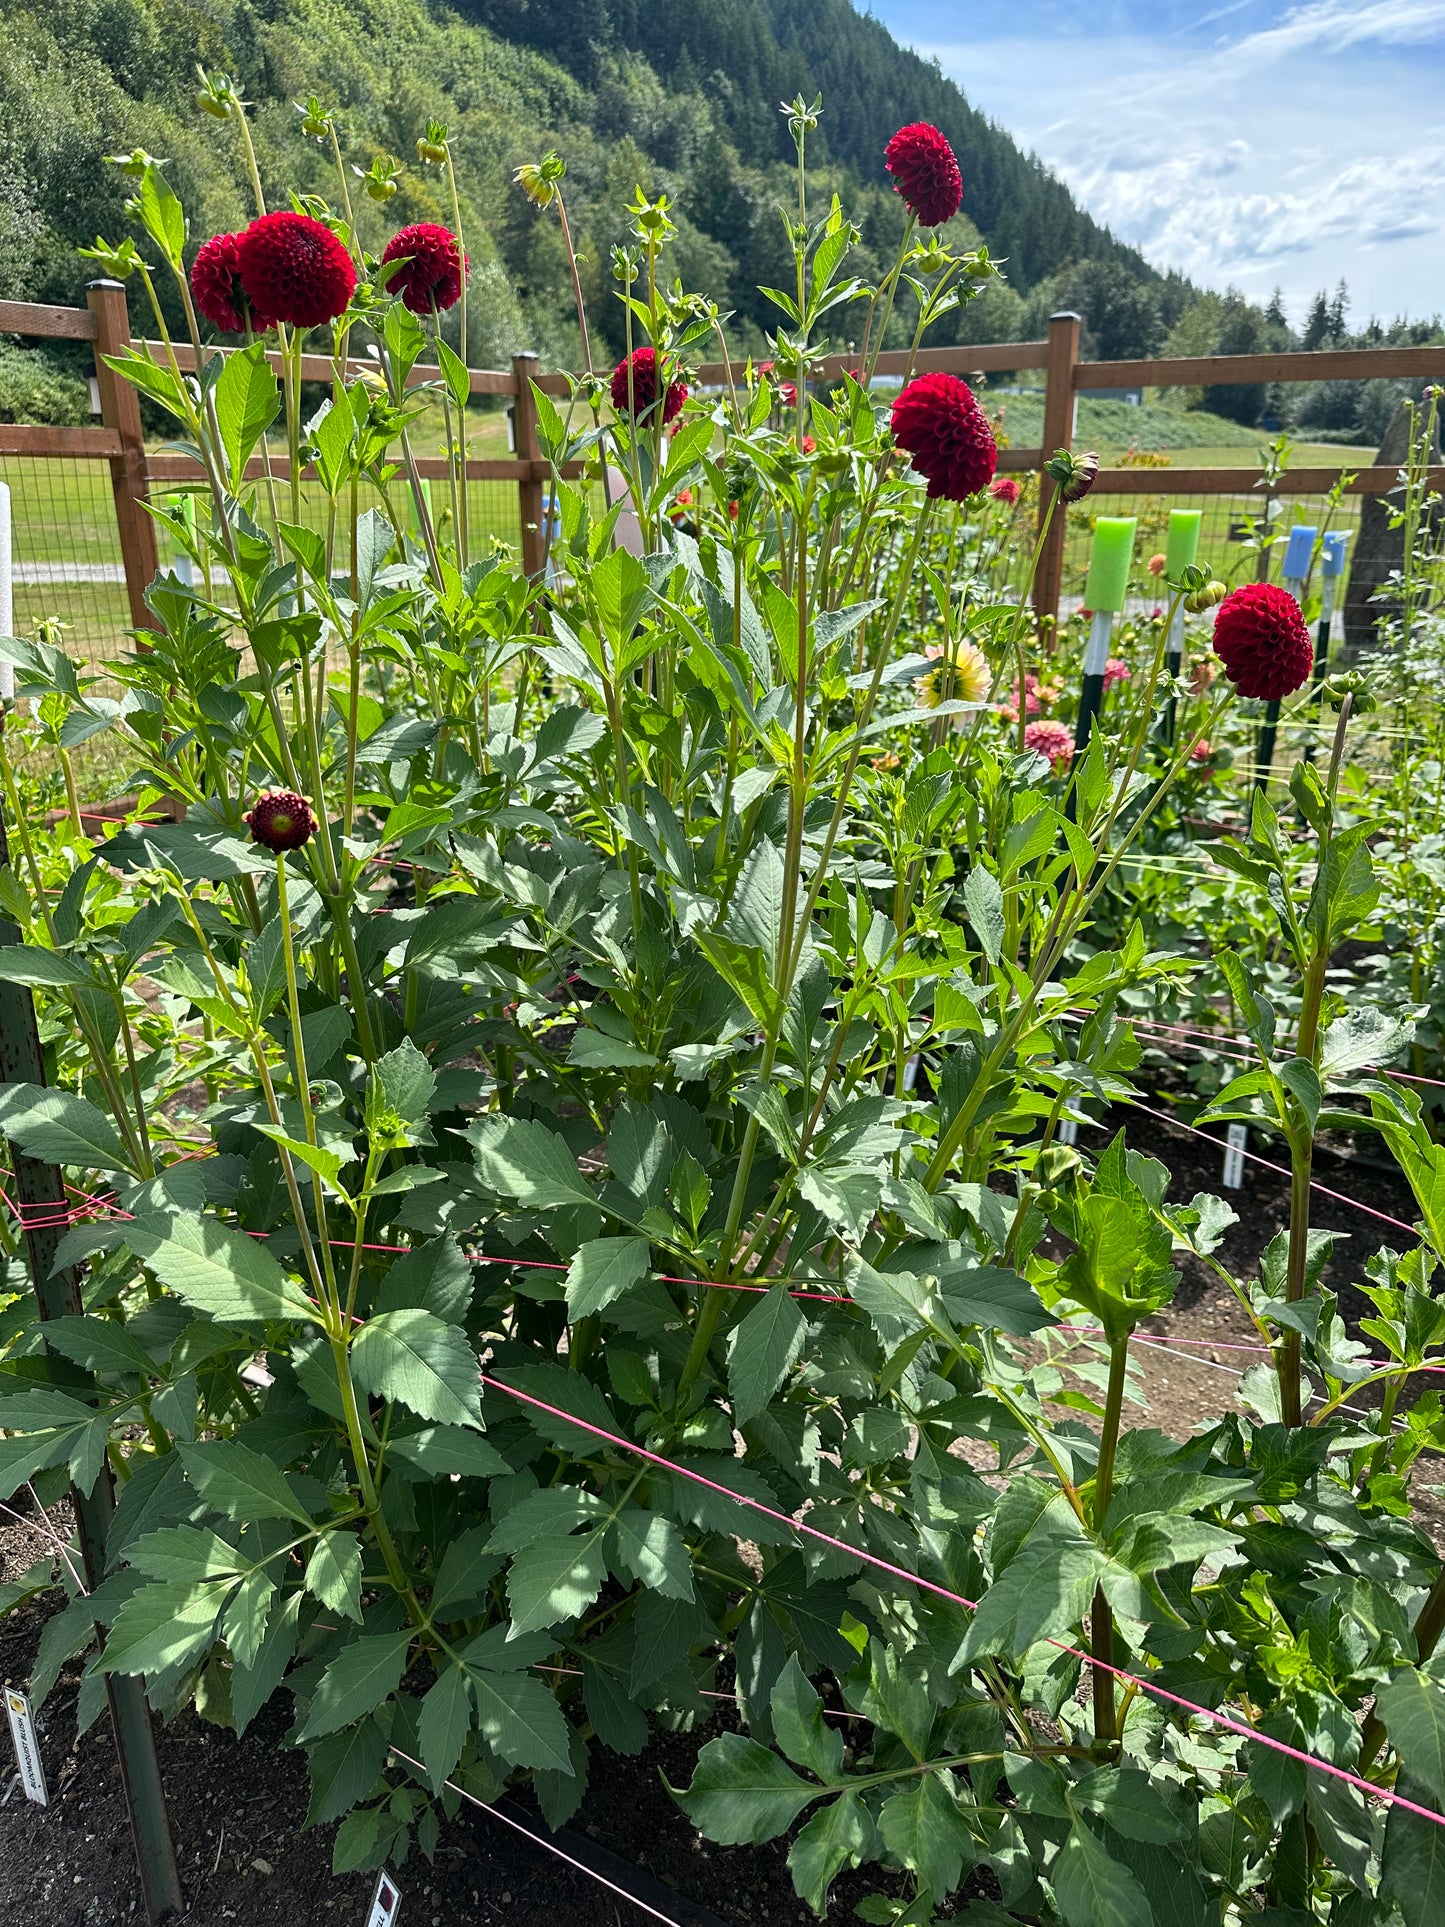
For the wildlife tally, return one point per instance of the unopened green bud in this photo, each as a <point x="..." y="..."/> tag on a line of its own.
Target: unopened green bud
<point x="1206" y="598"/>
<point x="1192" y="577"/>
<point x="1074" y="474"/>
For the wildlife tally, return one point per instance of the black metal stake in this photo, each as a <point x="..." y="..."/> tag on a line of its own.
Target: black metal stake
<point x="1264" y="755"/>
<point x="58" y="1295"/>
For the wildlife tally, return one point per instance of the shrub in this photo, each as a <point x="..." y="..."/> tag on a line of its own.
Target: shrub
<point x="33" y="388"/>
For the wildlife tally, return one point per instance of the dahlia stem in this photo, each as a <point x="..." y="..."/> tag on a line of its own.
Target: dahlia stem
<point x="463" y="543"/>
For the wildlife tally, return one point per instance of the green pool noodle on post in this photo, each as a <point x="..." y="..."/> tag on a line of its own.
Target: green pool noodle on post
<point x="1182" y="546"/>
<point x="1113" y="552"/>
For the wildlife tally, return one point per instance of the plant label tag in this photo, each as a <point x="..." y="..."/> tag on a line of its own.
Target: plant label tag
<point x="1068" y="1131"/>
<point x="27" y="1750"/>
<point x="385" y="1902"/>
<point x="1235" y="1140"/>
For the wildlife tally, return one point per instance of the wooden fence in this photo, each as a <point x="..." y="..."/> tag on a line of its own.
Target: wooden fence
<point x="119" y="441"/>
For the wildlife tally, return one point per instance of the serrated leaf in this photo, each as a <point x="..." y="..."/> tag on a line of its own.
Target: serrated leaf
<point x="1413" y="1709"/>
<point x="923" y="1828"/>
<point x="555" y="1579"/>
<point x="344" y="1767"/>
<point x="444" y="1722"/>
<point x="743" y="1794"/>
<point x="799" y="1727"/>
<point x="187" y="1553"/>
<point x="602" y="1271"/>
<point x="243" y="1625"/>
<point x="653" y="1551"/>
<point x="763" y="1350"/>
<point x="162" y="1626"/>
<point x="241" y="1483"/>
<point x="361" y="1676"/>
<point x="253" y="1685"/>
<point x="1045" y="1591"/>
<point x="411" y="1356"/>
<point x="522" y="1722"/>
<point x="59" y="1128"/>
<point x="333" y="1572"/>
<point x="838" y="1836"/>
<point x="523" y="1160"/>
<point x="1412" y="1867"/>
<point x="1093" y="1889"/>
<point x="219" y="1271"/>
<point x="444" y="1451"/>
<point x="983" y="899"/>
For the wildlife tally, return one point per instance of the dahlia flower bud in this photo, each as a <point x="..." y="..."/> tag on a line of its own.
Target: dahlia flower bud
<point x="538" y="179"/>
<point x="280" y="820"/>
<point x="925" y="173"/>
<point x="216" y="96"/>
<point x="294" y="269"/>
<point x="1051" y="739"/>
<point x="1261" y="637"/>
<point x="1207" y="597"/>
<point x="1193" y="576"/>
<point x="938" y="422"/>
<point x="1157" y="564"/>
<point x="432" y="145"/>
<point x="1074" y="474"/>
<point x="316" y="121"/>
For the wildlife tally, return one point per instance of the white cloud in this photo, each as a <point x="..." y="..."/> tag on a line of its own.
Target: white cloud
<point x="1297" y="152"/>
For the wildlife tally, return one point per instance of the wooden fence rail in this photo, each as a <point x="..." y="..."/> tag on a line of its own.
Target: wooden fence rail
<point x="118" y="440"/>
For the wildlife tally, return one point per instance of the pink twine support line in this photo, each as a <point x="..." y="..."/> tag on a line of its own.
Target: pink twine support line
<point x="958" y="1599"/>
<point x="540" y="1840"/>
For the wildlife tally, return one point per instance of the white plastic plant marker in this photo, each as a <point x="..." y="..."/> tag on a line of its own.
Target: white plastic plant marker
<point x="27" y="1749"/>
<point x="1236" y="1138"/>
<point x="7" y="591"/>
<point x="1068" y="1131"/>
<point x="385" y="1902"/>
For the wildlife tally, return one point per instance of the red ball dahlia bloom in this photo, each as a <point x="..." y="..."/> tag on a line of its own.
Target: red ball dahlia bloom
<point x="1003" y="488"/>
<point x="1261" y="638"/>
<point x="430" y="274"/>
<point x="280" y="820"/>
<point x="634" y="386"/>
<point x="217" y="291"/>
<point x="946" y="432"/>
<point x="294" y="269"/>
<point x="925" y="173"/>
<point x="1051" y="739"/>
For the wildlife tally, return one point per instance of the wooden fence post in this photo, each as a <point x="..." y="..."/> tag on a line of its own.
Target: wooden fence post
<point x="529" y="449"/>
<point x="120" y="410"/>
<point x="1058" y="433"/>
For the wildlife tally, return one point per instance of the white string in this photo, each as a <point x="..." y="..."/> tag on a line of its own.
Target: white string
<point x="539" y="1840"/>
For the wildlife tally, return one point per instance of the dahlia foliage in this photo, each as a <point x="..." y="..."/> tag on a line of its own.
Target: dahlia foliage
<point x="562" y="1079"/>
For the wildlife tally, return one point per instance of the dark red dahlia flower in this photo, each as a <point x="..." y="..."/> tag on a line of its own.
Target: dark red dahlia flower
<point x="1261" y="638"/>
<point x="925" y="173"/>
<point x="1004" y="489"/>
<point x="946" y="432"/>
<point x="217" y="291"/>
<point x="430" y="274"/>
<point x="294" y="269"/>
<point x="634" y="386"/>
<point x="280" y="820"/>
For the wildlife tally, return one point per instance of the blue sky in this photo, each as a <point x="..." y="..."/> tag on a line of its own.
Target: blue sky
<point x="1240" y="141"/>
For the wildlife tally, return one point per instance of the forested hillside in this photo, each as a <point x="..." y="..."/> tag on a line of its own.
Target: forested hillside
<point x="675" y="98"/>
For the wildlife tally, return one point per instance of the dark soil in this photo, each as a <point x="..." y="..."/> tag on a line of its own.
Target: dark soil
<point x="236" y="1806"/>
